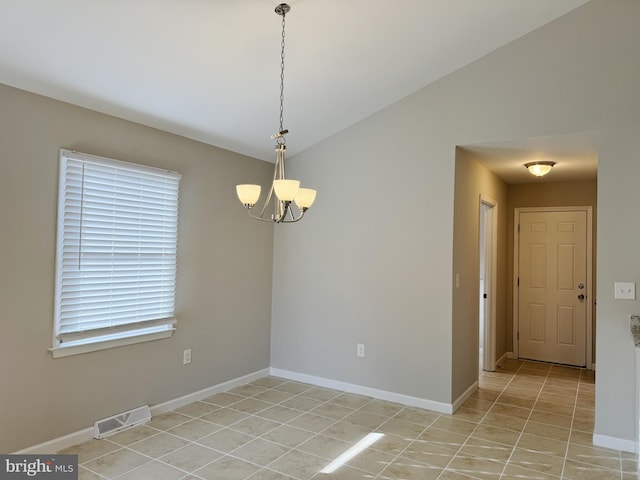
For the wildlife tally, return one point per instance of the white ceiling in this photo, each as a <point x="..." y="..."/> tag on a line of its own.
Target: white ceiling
<point x="209" y="69"/>
<point x="576" y="157"/>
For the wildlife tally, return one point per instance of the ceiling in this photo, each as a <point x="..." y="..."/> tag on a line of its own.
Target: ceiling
<point x="209" y="69"/>
<point x="576" y="157"/>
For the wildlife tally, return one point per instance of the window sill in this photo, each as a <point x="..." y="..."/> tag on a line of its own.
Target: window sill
<point x="86" y="347"/>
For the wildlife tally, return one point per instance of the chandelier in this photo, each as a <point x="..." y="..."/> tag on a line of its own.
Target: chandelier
<point x="284" y="193"/>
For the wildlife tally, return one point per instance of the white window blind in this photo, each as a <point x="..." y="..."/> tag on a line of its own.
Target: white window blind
<point x="116" y="250"/>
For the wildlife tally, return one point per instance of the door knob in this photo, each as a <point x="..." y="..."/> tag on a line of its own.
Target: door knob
<point x="581" y="297"/>
<point x="581" y="286"/>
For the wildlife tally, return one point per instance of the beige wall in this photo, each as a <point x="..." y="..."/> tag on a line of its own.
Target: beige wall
<point x="373" y="264"/>
<point x="223" y="279"/>
<point x="472" y="180"/>
<point x="562" y="194"/>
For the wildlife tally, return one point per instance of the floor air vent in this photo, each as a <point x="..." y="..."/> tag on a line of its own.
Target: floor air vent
<point x="117" y="423"/>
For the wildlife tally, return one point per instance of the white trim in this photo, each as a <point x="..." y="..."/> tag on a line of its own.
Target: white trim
<point x="504" y="355"/>
<point x="68" y="350"/>
<point x="57" y="444"/>
<point x="590" y="280"/>
<point x="86" y="434"/>
<point x="408" y="400"/>
<point x="515" y="288"/>
<point x="614" y="443"/>
<point x="207" y="392"/>
<point x="465" y="395"/>
<point x="490" y="320"/>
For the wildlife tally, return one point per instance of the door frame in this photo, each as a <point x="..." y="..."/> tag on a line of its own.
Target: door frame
<point x="516" y="273"/>
<point x="489" y="347"/>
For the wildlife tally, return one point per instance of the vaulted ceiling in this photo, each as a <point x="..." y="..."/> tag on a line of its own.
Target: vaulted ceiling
<point x="209" y="69"/>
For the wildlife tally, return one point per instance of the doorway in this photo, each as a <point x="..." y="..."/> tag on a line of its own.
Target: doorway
<point x="488" y="272"/>
<point x="552" y="285"/>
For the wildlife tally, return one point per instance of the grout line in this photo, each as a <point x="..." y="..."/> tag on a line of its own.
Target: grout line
<point x="573" y="416"/>
<point x="526" y="421"/>
<point x="580" y="391"/>
<point x="314" y="433"/>
<point x="378" y="476"/>
<point x="478" y="425"/>
<point x="280" y="424"/>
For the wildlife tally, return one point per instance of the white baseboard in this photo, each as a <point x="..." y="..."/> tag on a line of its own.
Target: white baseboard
<point x="614" y="443"/>
<point x="207" y="392"/>
<point x="501" y="359"/>
<point x="408" y="400"/>
<point x="86" y="434"/>
<point x="57" y="444"/>
<point x="466" y="394"/>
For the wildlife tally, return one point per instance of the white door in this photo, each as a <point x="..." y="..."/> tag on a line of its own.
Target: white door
<point x="552" y="287"/>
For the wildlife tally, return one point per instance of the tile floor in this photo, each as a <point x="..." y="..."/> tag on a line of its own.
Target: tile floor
<point x="528" y="421"/>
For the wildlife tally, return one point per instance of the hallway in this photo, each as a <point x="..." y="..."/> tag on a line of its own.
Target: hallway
<point x="541" y="418"/>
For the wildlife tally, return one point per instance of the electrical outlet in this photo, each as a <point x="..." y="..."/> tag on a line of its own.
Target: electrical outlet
<point x="186" y="356"/>
<point x="360" y="350"/>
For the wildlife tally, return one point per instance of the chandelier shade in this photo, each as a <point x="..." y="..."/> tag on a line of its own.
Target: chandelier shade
<point x="305" y="198"/>
<point x="284" y="193"/>
<point x="286" y="190"/>
<point x="248" y="194"/>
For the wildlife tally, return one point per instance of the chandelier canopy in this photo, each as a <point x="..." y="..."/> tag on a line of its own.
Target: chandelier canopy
<point x="283" y="193"/>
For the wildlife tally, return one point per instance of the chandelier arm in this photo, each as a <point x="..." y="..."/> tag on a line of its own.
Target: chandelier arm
<point x="280" y="207"/>
<point x="286" y="208"/>
<point x="266" y="202"/>
<point x="259" y="218"/>
<point x="294" y="219"/>
<point x="289" y="210"/>
<point x="292" y="215"/>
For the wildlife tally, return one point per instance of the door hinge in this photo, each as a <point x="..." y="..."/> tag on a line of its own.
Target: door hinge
<point x="518" y="282"/>
<point x="518" y="335"/>
<point x="518" y="228"/>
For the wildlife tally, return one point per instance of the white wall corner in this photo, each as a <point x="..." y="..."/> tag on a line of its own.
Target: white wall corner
<point x="407" y="400"/>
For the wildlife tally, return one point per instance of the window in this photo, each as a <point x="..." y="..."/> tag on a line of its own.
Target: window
<point x="116" y="254"/>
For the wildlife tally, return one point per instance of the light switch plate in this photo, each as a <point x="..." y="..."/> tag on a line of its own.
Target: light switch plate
<point x="625" y="290"/>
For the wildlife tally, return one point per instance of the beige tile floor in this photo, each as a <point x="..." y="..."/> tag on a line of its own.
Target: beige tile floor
<point x="528" y="421"/>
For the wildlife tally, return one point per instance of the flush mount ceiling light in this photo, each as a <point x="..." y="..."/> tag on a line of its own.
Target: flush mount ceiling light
<point x="539" y="169"/>
<point x="287" y="192"/>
